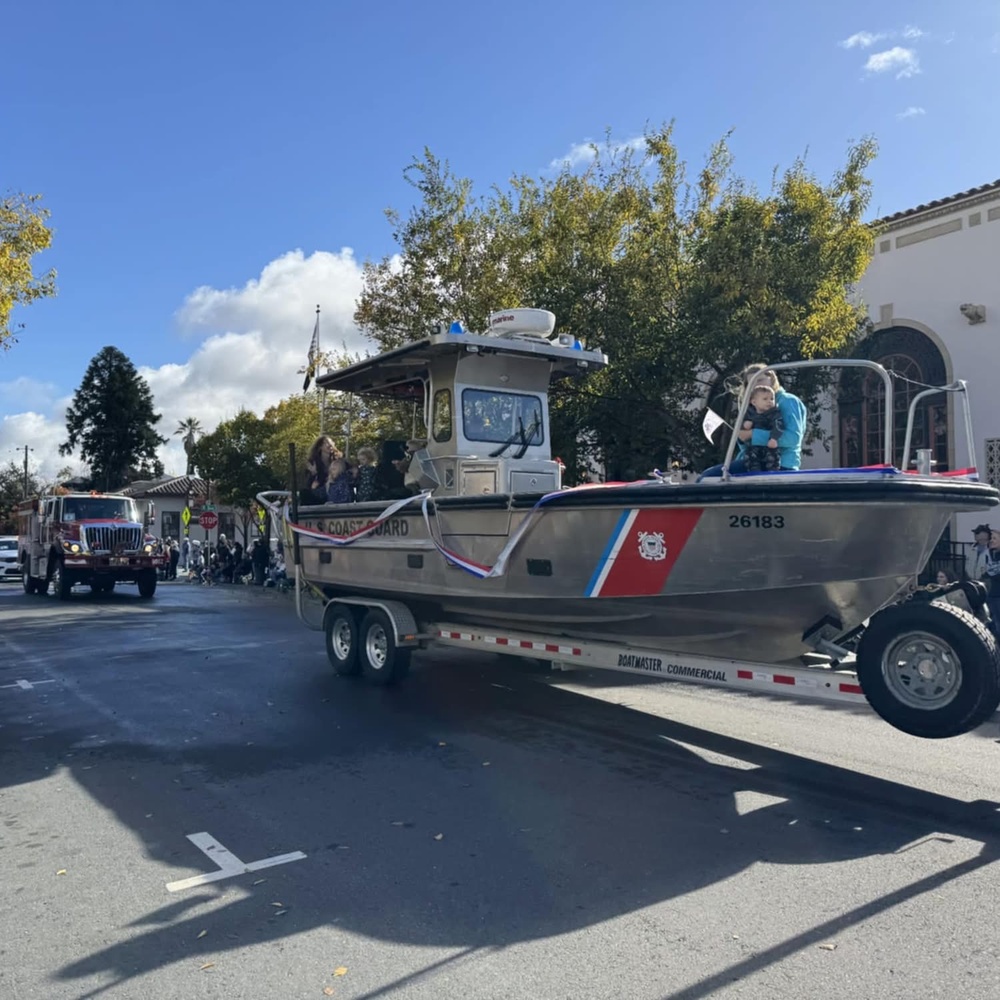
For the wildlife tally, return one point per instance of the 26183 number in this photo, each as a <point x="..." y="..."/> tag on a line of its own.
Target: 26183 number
<point x="756" y="521"/>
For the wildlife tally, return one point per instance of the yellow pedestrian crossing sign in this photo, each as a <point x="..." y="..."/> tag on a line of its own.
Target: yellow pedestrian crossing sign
<point x="186" y="516"/>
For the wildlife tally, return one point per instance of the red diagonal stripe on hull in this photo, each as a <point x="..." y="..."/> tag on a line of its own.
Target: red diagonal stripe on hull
<point x="631" y="574"/>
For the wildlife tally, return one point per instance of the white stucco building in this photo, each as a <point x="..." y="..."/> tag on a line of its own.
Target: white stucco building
<point x="932" y="291"/>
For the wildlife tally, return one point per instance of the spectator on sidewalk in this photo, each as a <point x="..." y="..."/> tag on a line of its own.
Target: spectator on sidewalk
<point x="260" y="558"/>
<point x="976" y="560"/>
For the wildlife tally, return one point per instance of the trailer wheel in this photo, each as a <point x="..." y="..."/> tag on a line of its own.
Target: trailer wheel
<point x="340" y="625"/>
<point x="931" y="670"/>
<point x="382" y="661"/>
<point x="62" y="582"/>
<point x="28" y="582"/>
<point x="146" y="579"/>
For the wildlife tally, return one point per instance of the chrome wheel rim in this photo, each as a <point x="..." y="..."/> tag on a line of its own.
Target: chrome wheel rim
<point x="340" y="638"/>
<point x="377" y="647"/>
<point x="922" y="671"/>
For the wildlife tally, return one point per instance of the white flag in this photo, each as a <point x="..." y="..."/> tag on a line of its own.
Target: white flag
<point x="711" y="423"/>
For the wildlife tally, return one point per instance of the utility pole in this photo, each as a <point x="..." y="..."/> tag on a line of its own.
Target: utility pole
<point x="26" y="450"/>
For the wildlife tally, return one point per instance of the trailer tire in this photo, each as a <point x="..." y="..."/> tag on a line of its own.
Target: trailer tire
<point x="930" y="670"/>
<point x="340" y="626"/>
<point x="62" y="582"/>
<point x="382" y="661"/>
<point x="146" y="580"/>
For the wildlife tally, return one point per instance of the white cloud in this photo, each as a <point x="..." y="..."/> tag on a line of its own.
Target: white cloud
<point x="903" y="62"/>
<point x="862" y="39"/>
<point x="43" y="432"/>
<point x="911" y="112"/>
<point x="911" y="33"/>
<point x="259" y="339"/>
<point x="582" y="153"/>
<point x="24" y="389"/>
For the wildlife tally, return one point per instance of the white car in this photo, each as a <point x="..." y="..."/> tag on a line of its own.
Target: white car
<point x="10" y="569"/>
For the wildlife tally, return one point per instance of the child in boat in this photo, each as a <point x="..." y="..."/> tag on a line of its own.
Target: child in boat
<point x="339" y="482"/>
<point x="366" y="483"/>
<point x="762" y="428"/>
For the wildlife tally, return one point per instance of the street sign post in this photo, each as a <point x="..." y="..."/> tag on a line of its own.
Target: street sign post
<point x="208" y="519"/>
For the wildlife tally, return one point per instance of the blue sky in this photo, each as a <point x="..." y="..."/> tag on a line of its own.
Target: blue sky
<point x="215" y="170"/>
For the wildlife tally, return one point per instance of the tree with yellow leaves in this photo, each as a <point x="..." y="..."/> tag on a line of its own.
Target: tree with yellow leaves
<point x="23" y="233"/>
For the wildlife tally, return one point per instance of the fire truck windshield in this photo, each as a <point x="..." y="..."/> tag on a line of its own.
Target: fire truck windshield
<point x="98" y="508"/>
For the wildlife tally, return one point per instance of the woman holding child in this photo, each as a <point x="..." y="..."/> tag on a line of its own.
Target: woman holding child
<point x="773" y="430"/>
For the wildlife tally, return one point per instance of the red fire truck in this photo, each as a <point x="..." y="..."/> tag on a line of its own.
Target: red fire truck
<point x="95" y="538"/>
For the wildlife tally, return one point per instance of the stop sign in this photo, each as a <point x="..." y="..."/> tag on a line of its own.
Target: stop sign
<point x="208" y="519"/>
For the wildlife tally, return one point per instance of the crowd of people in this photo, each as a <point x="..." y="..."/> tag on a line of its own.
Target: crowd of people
<point x="225" y="562"/>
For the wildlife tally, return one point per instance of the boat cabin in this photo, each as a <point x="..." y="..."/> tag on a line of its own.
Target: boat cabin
<point x="484" y="399"/>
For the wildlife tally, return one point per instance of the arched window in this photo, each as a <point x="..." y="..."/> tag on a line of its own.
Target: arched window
<point x="915" y="362"/>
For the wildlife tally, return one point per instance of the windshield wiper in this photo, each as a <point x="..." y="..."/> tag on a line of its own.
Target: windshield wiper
<point x="519" y="433"/>
<point x="526" y="437"/>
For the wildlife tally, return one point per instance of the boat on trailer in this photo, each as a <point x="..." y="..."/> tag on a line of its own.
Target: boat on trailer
<point x="734" y="574"/>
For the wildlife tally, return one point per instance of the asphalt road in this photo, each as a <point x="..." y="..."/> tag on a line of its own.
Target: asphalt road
<point x="479" y="832"/>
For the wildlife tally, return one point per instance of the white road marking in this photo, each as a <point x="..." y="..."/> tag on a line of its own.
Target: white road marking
<point x="26" y="685"/>
<point x="711" y="757"/>
<point x="229" y="864"/>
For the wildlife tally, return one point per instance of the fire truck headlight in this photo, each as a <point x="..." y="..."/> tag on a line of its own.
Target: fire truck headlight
<point x="148" y="549"/>
<point x="72" y="547"/>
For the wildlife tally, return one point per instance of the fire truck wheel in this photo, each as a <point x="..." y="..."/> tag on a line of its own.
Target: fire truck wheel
<point x="147" y="582"/>
<point x="62" y="582"/>
<point x="931" y="670"/>
<point x="382" y="661"/>
<point x="340" y="625"/>
<point x="27" y="580"/>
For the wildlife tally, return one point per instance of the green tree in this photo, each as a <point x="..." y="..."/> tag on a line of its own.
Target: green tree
<point x="680" y="283"/>
<point x="112" y="421"/>
<point x="23" y="234"/>
<point x="296" y="420"/>
<point x="14" y="489"/>
<point x="234" y="458"/>
<point x="461" y="257"/>
<point x="189" y="428"/>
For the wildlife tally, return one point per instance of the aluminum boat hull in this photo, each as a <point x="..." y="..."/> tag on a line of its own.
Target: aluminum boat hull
<point x="741" y="569"/>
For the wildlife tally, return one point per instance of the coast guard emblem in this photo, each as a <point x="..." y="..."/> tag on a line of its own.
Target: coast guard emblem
<point x="651" y="546"/>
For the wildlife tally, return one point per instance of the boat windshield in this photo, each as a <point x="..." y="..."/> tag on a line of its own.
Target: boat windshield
<point x="498" y="417"/>
<point x="98" y="508"/>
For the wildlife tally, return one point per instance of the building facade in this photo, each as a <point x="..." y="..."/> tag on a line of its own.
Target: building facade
<point x="171" y="495"/>
<point x="932" y="292"/>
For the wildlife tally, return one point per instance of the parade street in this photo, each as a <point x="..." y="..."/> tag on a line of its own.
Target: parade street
<point x="193" y="805"/>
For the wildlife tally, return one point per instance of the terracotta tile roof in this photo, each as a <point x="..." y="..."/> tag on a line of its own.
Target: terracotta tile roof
<point x="940" y="203"/>
<point x="176" y="486"/>
<point x="180" y="487"/>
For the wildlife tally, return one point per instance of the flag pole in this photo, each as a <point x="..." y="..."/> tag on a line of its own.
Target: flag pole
<point x="322" y="400"/>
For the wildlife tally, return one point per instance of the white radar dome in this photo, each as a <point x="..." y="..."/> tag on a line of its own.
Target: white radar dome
<point x="522" y="322"/>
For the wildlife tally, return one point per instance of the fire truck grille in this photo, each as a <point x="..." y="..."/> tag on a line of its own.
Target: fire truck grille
<point x="109" y="538"/>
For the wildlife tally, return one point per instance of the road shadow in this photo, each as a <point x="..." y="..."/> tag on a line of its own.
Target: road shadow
<point x="555" y="811"/>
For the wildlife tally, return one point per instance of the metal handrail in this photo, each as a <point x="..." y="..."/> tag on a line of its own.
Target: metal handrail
<point x="761" y="379"/>
<point x="959" y="386"/>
